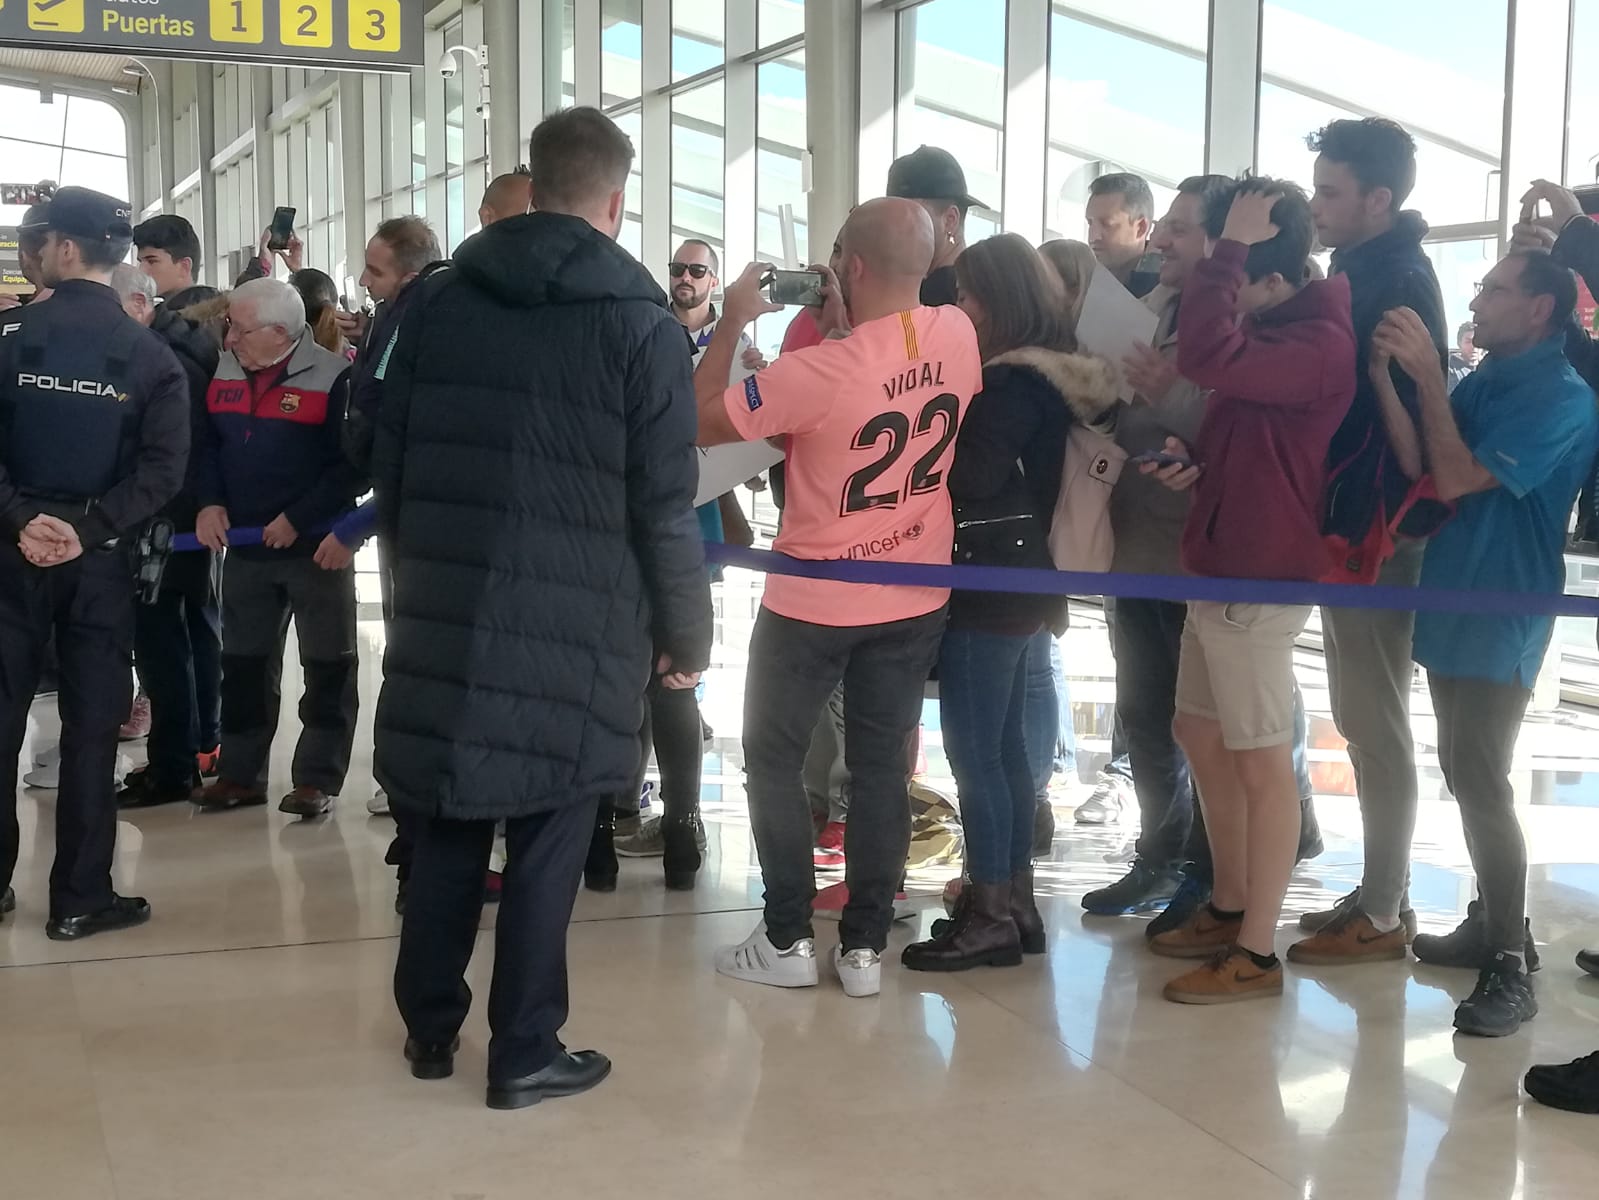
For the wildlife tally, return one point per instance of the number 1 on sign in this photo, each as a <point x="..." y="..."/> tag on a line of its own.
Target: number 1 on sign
<point x="238" y="21"/>
<point x="305" y="22"/>
<point x="375" y="25"/>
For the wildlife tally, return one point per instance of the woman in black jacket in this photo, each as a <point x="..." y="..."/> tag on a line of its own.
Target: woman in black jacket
<point x="1004" y="484"/>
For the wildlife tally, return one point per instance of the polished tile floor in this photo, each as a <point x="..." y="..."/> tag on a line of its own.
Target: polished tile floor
<point x="244" y="1044"/>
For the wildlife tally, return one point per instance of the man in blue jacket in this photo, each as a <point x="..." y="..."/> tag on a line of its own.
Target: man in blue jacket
<point x="1512" y="446"/>
<point x="273" y="458"/>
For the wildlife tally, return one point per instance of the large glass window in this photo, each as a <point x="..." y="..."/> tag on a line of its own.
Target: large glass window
<point x="699" y="33"/>
<point x="631" y="237"/>
<point x="779" y="20"/>
<point x="952" y="95"/>
<point x="1435" y="66"/>
<point x="71" y="141"/>
<point x="699" y="164"/>
<point x="781" y="231"/>
<point x="1121" y="101"/>
<point x="621" y="50"/>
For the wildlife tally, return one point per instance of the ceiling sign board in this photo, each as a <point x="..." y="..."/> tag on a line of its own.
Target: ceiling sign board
<point x="369" y="34"/>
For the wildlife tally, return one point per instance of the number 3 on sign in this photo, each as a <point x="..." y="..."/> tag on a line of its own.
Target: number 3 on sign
<point x="238" y="21"/>
<point x="375" y="25"/>
<point x="305" y="22"/>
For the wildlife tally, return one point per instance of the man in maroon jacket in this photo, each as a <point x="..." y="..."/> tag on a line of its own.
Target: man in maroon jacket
<point x="1278" y="356"/>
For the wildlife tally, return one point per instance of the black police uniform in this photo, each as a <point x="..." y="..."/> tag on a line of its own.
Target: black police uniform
<point x="94" y="429"/>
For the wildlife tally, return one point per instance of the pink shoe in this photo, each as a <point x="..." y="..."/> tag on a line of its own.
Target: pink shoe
<point x="138" y="723"/>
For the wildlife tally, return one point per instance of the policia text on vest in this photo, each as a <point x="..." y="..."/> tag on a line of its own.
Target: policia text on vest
<point x="94" y="430"/>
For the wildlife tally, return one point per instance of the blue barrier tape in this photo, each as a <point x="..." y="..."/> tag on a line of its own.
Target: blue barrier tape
<point x="1178" y="588"/>
<point x="1175" y="588"/>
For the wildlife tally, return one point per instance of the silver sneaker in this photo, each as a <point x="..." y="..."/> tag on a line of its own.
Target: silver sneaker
<point x="1106" y="805"/>
<point x="860" y="971"/>
<point x="756" y="960"/>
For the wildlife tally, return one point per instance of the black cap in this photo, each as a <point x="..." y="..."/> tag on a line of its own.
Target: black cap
<point x="81" y="213"/>
<point x="929" y="173"/>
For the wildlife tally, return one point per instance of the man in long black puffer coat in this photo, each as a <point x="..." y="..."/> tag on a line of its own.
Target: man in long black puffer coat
<point x="535" y="475"/>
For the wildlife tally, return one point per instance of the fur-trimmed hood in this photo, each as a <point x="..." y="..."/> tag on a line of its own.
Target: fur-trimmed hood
<point x="1085" y="383"/>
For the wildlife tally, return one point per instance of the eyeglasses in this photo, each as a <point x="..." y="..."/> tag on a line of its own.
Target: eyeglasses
<point x="695" y="270"/>
<point x="229" y="327"/>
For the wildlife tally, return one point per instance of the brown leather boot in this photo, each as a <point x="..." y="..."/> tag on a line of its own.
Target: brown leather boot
<point x="1024" y="911"/>
<point x="982" y="935"/>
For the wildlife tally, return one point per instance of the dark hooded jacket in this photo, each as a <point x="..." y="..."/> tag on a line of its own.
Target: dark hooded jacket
<point x="197" y="352"/>
<point x="1389" y="271"/>
<point x="1009" y="458"/>
<point x="535" y="473"/>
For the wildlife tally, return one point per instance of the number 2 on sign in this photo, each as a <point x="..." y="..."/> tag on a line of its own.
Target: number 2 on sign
<point x="238" y="21"/>
<point x="305" y="22"/>
<point x="375" y="25"/>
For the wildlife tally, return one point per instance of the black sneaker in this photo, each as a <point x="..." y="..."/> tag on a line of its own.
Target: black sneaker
<point x="8" y="903"/>
<point x="123" y="912"/>
<point x="1502" y="1000"/>
<point x="1144" y="888"/>
<point x="1572" y="1086"/>
<point x="1192" y="892"/>
<point x="1467" y="946"/>
<point x="142" y="790"/>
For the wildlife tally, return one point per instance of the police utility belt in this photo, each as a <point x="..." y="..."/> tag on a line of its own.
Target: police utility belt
<point x="151" y="548"/>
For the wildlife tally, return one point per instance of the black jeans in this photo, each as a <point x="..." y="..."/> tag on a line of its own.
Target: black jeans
<point x="88" y="603"/>
<point x="672" y="727"/>
<point x="1149" y="635"/>
<point x="1478" y="723"/>
<point x="259" y="595"/>
<point x="178" y="645"/>
<point x="793" y="668"/>
<point x="528" y="998"/>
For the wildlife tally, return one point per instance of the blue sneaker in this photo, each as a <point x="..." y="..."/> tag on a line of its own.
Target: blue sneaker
<point x="1191" y="893"/>
<point x="1144" y="888"/>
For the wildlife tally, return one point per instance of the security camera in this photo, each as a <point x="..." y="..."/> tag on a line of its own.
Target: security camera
<point x="448" y="66"/>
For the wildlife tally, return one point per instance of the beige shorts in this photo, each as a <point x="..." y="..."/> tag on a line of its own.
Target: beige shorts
<point x="1237" y="669"/>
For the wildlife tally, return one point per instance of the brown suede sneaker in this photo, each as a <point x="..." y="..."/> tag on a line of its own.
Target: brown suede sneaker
<point x="306" y="802"/>
<point x="1351" y="938"/>
<point x="1198" y="937"/>
<point x="1230" y="976"/>
<point x="224" y="795"/>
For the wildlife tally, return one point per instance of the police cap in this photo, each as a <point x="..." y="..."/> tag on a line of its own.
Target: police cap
<point x="89" y="215"/>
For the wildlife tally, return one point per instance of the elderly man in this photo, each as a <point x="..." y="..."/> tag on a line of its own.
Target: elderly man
<point x="178" y="639"/>
<point x="272" y="458"/>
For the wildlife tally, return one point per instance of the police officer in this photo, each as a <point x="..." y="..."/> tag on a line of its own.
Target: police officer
<point x="94" y="438"/>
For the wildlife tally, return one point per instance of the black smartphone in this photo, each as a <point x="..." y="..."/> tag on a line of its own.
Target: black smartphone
<point x="281" y="229"/>
<point x="20" y="194"/>
<point x="1160" y="458"/>
<point x="795" y="287"/>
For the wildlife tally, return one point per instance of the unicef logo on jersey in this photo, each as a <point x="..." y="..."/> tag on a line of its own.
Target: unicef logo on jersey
<point x="915" y="532"/>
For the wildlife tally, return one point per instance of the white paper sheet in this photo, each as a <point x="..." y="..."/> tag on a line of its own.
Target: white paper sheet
<point x="1113" y="322"/>
<point x="723" y="468"/>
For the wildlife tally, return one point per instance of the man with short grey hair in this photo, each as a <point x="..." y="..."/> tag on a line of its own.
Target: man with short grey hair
<point x="272" y="458"/>
<point x="1120" y="215"/>
<point x="136" y="290"/>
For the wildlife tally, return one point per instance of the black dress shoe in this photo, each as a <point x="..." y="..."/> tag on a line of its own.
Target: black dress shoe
<point x="124" y="912"/>
<point x="1588" y="960"/>
<point x="569" y="1075"/>
<point x="431" y="1060"/>
<point x="8" y="902"/>
<point x="141" y="790"/>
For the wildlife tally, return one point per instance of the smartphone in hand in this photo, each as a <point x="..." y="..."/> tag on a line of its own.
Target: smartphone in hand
<point x="281" y="229"/>
<point x="1160" y="459"/>
<point x="794" y="287"/>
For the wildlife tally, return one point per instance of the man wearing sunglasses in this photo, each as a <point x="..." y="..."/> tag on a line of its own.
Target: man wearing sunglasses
<point x="694" y="281"/>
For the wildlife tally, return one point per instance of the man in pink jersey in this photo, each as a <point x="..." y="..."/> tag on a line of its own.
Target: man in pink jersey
<point x="871" y="420"/>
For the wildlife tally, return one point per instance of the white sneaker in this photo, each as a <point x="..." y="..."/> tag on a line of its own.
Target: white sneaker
<point x="860" y="971"/>
<point x="47" y="778"/>
<point x="378" y="805"/>
<point x="756" y="960"/>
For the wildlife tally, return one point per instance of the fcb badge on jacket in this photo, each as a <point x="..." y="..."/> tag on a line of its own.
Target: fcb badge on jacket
<point x="290" y="402"/>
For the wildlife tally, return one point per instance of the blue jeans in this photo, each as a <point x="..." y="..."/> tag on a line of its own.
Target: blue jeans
<point x="982" y="688"/>
<point x="1051" y="739"/>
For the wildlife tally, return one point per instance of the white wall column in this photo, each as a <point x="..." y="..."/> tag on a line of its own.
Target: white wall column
<point x="832" y="115"/>
<point x="501" y="34"/>
<point x="877" y="102"/>
<point x="738" y="201"/>
<point x="1538" y="46"/>
<point x="205" y="133"/>
<point x="1232" y="86"/>
<point x="354" y="135"/>
<point x="655" y="125"/>
<point x="1026" y="117"/>
<point x="586" y="51"/>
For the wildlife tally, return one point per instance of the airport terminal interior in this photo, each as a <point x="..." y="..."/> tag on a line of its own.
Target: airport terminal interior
<point x="245" y="1043"/>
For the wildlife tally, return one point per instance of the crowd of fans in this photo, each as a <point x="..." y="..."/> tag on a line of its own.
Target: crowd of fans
<point x="527" y="417"/>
